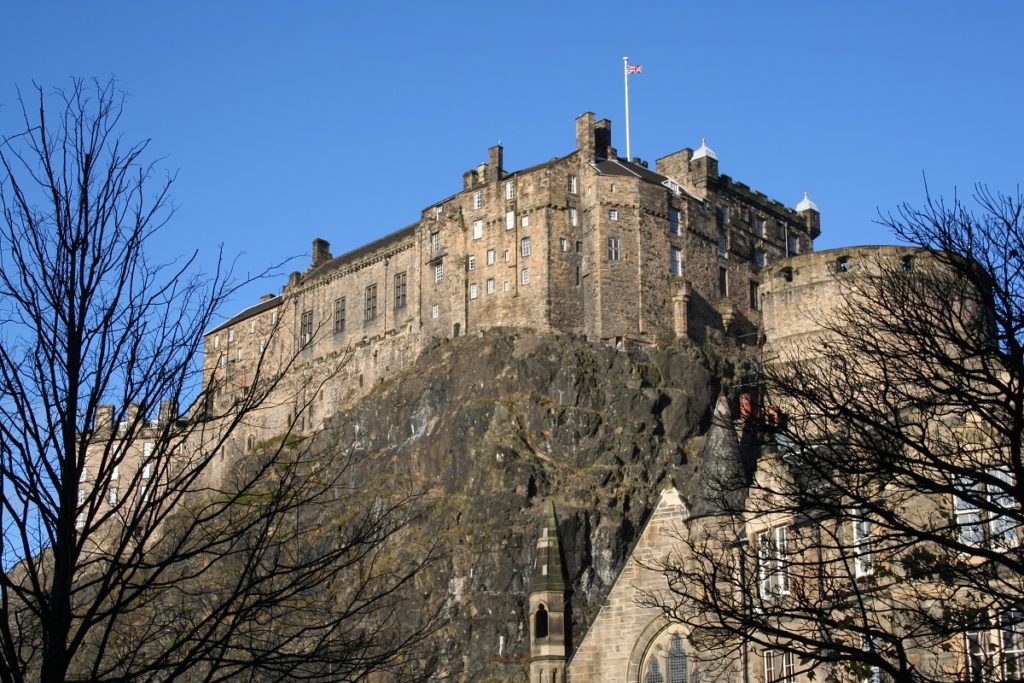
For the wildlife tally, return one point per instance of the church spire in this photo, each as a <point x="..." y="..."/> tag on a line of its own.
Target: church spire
<point x="549" y="615"/>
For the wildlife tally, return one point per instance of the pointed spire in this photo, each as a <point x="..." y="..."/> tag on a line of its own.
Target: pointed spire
<point x="704" y="151"/>
<point x="548" y="573"/>
<point x="806" y="204"/>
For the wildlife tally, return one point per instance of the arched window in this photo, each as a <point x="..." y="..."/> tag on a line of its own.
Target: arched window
<point x="540" y="623"/>
<point x="653" y="673"/>
<point x="677" y="662"/>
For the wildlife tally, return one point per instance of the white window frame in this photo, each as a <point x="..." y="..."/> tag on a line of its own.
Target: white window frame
<point x="510" y="220"/>
<point x="563" y="244"/>
<point x="435" y="242"/>
<point x="471" y="263"/>
<point x="524" y="276"/>
<point x="573" y="184"/>
<point x="439" y="272"/>
<point x="862" y="531"/>
<point x="674" y="226"/>
<point x="508" y="255"/>
<point x="772" y="566"/>
<point x="613" y="214"/>
<point x="524" y="247"/>
<point x="490" y="285"/>
<point x="510" y="190"/>
<point x="435" y="311"/>
<point x="614" y="249"/>
<point x="968" y="518"/>
<point x="574" y="217"/>
<point x="473" y="291"/>
<point x="524" y="222"/>
<point x="478" y="200"/>
<point x="490" y="257"/>
<point x="675" y="261"/>
<point x="478" y="229"/>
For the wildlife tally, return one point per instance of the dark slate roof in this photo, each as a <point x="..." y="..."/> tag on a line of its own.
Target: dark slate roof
<point x="722" y="485"/>
<point x="628" y="168"/>
<point x="249" y="312"/>
<point x="549" y="552"/>
<point x="368" y="248"/>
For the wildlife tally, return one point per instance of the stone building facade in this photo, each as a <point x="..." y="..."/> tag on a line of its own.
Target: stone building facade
<point x="586" y="244"/>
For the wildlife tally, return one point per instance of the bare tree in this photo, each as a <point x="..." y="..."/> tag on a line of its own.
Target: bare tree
<point x="881" y="533"/>
<point x="124" y="557"/>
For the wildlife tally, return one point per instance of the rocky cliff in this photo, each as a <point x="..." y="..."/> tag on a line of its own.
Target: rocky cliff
<point x="496" y="424"/>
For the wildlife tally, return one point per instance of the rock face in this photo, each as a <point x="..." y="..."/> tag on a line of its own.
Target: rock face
<point x="495" y="425"/>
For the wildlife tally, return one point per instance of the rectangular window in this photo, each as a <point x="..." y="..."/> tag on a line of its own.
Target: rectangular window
<point x="613" y="214"/>
<point x="578" y="277"/>
<point x="524" y="276"/>
<point x="723" y="281"/>
<point x="1011" y="639"/>
<point x="572" y="184"/>
<point x="1002" y="528"/>
<point x="579" y="247"/>
<point x="216" y="342"/>
<point x="306" y="327"/>
<point x="490" y="285"/>
<point x="792" y="246"/>
<point x="339" y="315"/>
<point x="438" y="272"/>
<point x="524" y="221"/>
<point x="508" y="255"/>
<point x="862" y="530"/>
<point x="471" y="263"/>
<point x="510" y="220"/>
<point x="673" y="222"/>
<point x="524" y="246"/>
<point x="435" y="311"/>
<point x="147" y="471"/>
<point x="574" y="217"/>
<point x="563" y="244"/>
<point x="478" y="230"/>
<point x="510" y="190"/>
<point x="435" y="242"/>
<point x="490" y="257"/>
<point x="478" y="200"/>
<point x="760" y="258"/>
<point x="723" y="215"/>
<point x="438" y="210"/>
<point x="676" y="261"/>
<point x="968" y="514"/>
<point x="779" y="667"/>
<point x="614" y="249"/>
<point x="231" y="335"/>
<point x="473" y="292"/>
<point x="504" y="286"/>
<point x="371" y="303"/>
<point x="772" y="570"/>
<point x="723" y="245"/>
<point x="759" y="227"/>
<point x="112" y="492"/>
<point x="252" y="326"/>
<point x="400" y="297"/>
<point x="755" y="304"/>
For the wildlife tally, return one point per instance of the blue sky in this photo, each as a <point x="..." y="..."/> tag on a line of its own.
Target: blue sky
<point x="289" y="121"/>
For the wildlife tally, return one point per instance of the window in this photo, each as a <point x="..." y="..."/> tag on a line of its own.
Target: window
<point x="478" y="230"/>
<point x="754" y="301"/>
<point x="759" y="227"/>
<point x="508" y="255"/>
<point x="574" y="217"/>
<point x="306" y="327"/>
<point x="779" y="667"/>
<point x="676" y="261"/>
<point x="339" y="315"/>
<point x="471" y="263"/>
<point x="510" y="220"/>
<point x="231" y="335"/>
<point x="842" y="264"/>
<point x="572" y="184"/>
<point x="578" y="276"/>
<point x="435" y="311"/>
<point x="510" y="190"/>
<point x="723" y="245"/>
<point x="473" y="292"/>
<point x="524" y="276"/>
<point x="490" y="257"/>
<point x="972" y="525"/>
<point x="438" y="210"/>
<point x="723" y="281"/>
<point x="504" y="286"/>
<point x="614" y="249"/>
<point x="613" y="214"/>
<point x="273" y="318"/>
<point x="524" y="221"/>
<point x="216" y="342"/>
<point x="579" y="247"/>
<point x="673" y="222"/>
<point x="677" y="662"/>
<point x="112" y="493"/>
<point x="478" y="200"/>
<point x="490" y="285"/>
<point x="874" y="673"/>
<point x="792" y="246"/>
<point x="760" y="258"/>
<point x="772" y="572"/>
<point x="862" y="528"/>
<point x="371" y="303"/>
<point x="540" y="623"/>
<point x="1011" y="639"/>
<point x="147" y="471"/>
<point x="252" y="326"/>
<point x="147" y="450"/>
<point x="435" y="242"/>
<point x="438" y="272"/>
<point x="722" y="215"/>
<point x="400" y="297"/>
<point x="524" y="246"/>
<point x="563" y="244"/>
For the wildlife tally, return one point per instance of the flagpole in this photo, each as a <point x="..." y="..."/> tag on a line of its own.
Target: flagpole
<point x="625" y="83"/>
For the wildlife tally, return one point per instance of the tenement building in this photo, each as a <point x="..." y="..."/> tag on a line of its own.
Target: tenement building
<point x="586" y="244"/>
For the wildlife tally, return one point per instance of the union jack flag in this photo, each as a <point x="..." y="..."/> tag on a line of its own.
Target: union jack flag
<point x="634" y="69"/>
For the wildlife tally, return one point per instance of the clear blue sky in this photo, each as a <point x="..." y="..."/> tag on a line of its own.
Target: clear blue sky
<point x="289" y="121"/>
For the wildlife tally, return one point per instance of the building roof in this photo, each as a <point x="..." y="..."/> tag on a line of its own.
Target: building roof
<point x="368" y="248"/>
<point x="249" y="312"/>
<point x="704" y="151"/>
<point x="628" y="168"/>
<point x="806" y="203"/>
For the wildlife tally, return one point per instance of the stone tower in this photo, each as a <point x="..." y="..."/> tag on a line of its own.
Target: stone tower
<point x="549" y="609"/>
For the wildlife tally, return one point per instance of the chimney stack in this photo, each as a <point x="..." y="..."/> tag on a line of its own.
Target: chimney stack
<point x="321" y="252"/>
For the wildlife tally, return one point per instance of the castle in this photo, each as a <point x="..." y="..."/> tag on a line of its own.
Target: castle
<point x="586" y="244"/>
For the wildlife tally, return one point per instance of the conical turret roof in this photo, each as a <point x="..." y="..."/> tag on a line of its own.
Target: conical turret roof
<point x="548" y="572"/>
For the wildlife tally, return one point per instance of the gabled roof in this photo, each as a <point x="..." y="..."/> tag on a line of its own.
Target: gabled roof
<point x="628" y="168"/>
